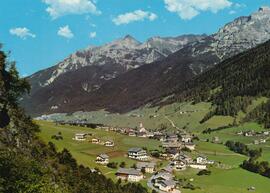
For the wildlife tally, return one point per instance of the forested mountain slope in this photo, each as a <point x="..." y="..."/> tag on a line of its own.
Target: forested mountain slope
<point x="232" y="84"/>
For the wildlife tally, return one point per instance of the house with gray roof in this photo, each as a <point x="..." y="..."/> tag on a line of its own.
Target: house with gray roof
<point x="138" y="154"/>
<point x="148" y="167"/>
<point x="102" y="159"/>
<point x="131" y="174"/>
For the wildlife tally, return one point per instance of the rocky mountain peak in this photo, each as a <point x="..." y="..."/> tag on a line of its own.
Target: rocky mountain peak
<point x="264" y="9"/>
<point x="243" y="33"/>
<point x="128" y="42"/>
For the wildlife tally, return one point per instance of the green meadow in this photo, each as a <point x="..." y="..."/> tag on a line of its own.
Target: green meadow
<point x="85" y="152"/>
<point x="226" y="176"/>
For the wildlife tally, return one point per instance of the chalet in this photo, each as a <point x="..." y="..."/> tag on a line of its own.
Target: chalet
<point x="201" y="160"/>
<point x="190" y="146"/>
<point x="148" y="167"/>
<point x="96" y="141"/>
<point x="138" y="154"/>
<point x="163" y="176"/>
<point x="109" y="143"/>
<point x="165" y="185"/>
<point x="172" y="138"/>
<point x="80" y="137"/>
<point x="131" y="174"/>
<point x="186" y="138"/>
<point x="184" y="158"/>
<point x="179" y="165"/>
<point x="102" y="159"/>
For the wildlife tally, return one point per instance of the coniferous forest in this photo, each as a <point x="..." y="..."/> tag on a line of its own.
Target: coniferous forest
<point x="233" y="84"/>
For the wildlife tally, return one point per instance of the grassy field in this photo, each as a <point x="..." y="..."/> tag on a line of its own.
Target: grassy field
<point x="225" y="181"/>
<point x="228" y="178"/>
<point x="85" y="152"/>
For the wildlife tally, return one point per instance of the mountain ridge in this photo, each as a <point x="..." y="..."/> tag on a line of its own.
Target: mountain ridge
<point x="151" y="81"/>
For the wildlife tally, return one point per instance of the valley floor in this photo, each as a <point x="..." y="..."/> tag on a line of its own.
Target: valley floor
<point x="226" y="176"/>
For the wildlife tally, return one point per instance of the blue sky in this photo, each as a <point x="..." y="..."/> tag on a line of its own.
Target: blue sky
<point x="40" y="33"/>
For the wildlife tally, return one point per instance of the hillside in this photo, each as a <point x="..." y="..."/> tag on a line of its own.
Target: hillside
<point x="139" y="86"/>
<point x="27" y="164"/>
<point x="233" y="84"/>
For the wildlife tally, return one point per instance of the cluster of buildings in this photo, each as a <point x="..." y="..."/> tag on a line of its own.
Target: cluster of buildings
<point x="173" y="144"/>
<point x="263" y="135"/>
<point x="182" y="161"/>
<point x="252" y="133"/>
<point x="136" y="174"/>
<point x="94" y="140"/>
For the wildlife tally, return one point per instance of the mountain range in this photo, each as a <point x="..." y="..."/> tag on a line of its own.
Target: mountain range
<point x="126" y="74"/>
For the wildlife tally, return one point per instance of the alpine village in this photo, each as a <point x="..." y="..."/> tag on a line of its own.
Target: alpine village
<point x="169" y="114"/>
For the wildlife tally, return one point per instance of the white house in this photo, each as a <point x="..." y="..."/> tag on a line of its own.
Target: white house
<point x="102" y="159"/>
<point x="96" y="141"/>
<point x="179" y="165"/>
<point x="131" y="174"/>
<point x="186" y="138"/>
<point x="149" y="167"/>
<point x="109" y="143"/>
<point x="80" y="137"/>
<point x="138" y="153"/>
<point x="201" y="160"/>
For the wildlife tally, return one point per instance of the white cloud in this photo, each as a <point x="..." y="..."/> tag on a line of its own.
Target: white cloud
<point x="188" y="9"/>
<point x="58" y="8"/>
<point x="21" y="32"/>
<point x="137" y="15"/>
<point x="65" y="32"/>
<point x="93" y="34"/>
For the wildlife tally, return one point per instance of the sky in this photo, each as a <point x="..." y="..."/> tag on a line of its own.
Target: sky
<point x="41" y="33"/>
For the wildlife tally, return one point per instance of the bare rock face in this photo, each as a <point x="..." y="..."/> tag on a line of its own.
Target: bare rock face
<point x="126" y="52"/>
<point x="243" y="33"/>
